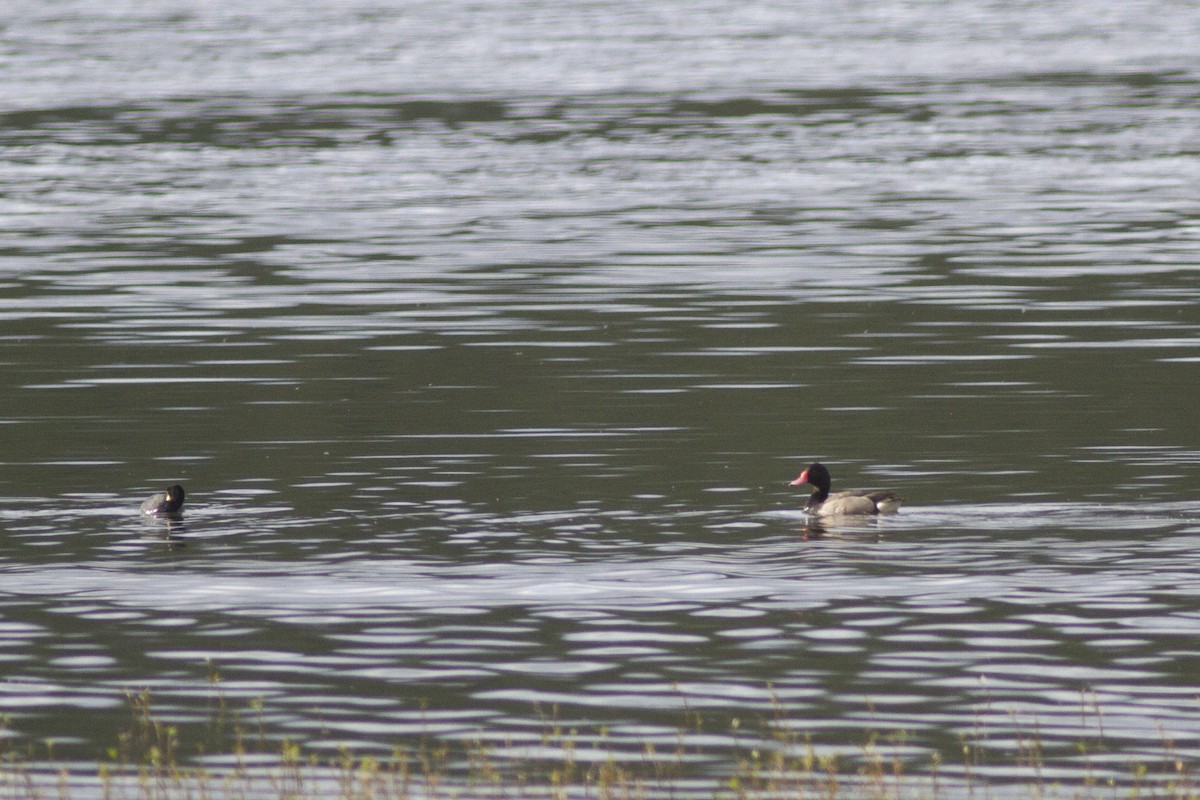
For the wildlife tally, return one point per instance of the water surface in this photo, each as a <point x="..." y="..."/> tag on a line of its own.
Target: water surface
<point x="486" y="337"/>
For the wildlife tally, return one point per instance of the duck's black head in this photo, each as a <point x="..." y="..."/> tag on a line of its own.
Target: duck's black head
<point x="175" y="496"/>
<point x="816" y="475"/>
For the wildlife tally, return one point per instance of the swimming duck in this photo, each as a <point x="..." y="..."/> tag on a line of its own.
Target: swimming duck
<point x="825" y="504"/>
<point x="168" y="502"/>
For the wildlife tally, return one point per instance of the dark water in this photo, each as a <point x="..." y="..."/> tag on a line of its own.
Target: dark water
<point x="485" y="338"/>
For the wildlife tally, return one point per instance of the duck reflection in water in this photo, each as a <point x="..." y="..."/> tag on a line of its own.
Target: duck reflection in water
<point x="820" y="528"/>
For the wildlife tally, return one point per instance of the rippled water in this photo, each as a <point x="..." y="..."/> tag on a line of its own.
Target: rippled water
<point x="485" y="338"/>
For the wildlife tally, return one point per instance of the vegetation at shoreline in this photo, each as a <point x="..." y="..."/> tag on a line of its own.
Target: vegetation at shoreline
<point x="237" y="760"/>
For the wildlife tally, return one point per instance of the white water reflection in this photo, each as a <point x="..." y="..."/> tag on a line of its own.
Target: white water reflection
<point x="485" y="351"/>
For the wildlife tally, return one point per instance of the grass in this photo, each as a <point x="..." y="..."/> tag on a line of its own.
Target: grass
<point x="235" y="759"/>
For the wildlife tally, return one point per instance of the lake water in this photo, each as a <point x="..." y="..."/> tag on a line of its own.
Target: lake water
<point x="485" y="338"/>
